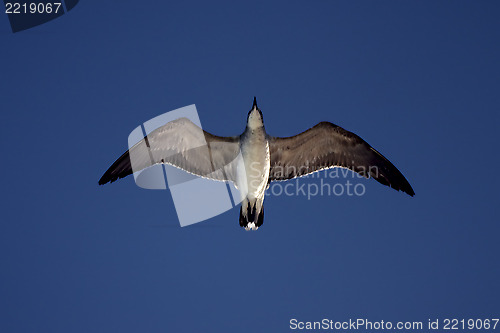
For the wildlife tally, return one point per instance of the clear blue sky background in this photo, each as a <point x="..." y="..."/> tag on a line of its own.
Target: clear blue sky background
<point x="419" y="80"/>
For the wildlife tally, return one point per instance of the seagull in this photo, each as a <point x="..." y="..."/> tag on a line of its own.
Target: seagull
<point x="261" y="158"/>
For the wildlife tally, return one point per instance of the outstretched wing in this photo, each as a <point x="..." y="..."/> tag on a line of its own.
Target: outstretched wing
<point x="327" y="145"/>
<point x="182" y="144"/>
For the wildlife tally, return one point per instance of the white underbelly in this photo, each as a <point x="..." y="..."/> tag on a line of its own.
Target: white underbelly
<point x="253" y="173"/>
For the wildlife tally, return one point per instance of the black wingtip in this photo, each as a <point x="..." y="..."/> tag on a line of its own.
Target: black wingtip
<point x="254" y="102"/>
<point x="410" y="192"/>
<point x="405" y="186"/>
<point x="103" y="181"/>
<point x="122" y="167"/>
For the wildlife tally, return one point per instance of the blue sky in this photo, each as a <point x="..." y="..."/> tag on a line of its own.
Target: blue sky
<point x="418" y="80"/>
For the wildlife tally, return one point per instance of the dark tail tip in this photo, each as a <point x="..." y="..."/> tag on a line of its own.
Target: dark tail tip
<point x="250" y="217"/>
<point x="254" y="102"/>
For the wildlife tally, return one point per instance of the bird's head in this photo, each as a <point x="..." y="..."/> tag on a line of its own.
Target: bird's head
<point x="255" y="119"/>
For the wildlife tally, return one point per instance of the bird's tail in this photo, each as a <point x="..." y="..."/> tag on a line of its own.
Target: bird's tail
<point x="251" y="218"/>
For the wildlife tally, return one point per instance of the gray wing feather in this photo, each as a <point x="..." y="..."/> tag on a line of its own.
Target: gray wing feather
<point x="325" y="146"/>
<point x="184" y="145"/>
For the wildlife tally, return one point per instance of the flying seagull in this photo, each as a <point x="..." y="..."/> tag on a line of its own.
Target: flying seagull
<point x="261" y="158"/>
